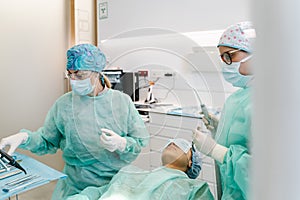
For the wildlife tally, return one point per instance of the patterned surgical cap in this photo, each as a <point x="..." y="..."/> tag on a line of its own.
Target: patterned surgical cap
<point x="85" y="57"/>
<point x="239" y="36"/>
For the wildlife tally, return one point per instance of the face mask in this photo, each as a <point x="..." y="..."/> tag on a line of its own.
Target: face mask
<point x="232" y="75"/>
<point x="82" y="87"/>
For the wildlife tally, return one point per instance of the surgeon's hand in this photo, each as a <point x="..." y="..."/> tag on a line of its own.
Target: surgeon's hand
<point x="112" y="141"/>
<point x="14" y="141"/>
<point x="211" y="122"/>
<point x="208" y="146"/>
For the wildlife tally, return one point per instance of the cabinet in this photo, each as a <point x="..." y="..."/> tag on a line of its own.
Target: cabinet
<point x="163" y="127"/>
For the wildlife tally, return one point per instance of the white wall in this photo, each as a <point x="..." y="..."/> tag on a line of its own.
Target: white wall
<point x="85" y="21"/>
<point x="175" y="15"/>
<point x="34" y="40"/>
<point x="172" y="53"/>
<point x="152" y="35"/>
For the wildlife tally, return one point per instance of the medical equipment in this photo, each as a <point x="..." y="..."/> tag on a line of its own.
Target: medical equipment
<point x="38" y="174"/>
<point x="23" y="185"/>
<point x="205" y="113"/>
<point x="9" y="174"/>
<point x="5" y="168"/>
<point x="11" y="161"/>
<point x="126" y="82"/>
<point x="23" y="179"/>
<point x="21" y="182"/>
<point x="150" y="97"/>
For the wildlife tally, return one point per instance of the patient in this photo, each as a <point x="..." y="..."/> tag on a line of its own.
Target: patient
<point x="174" y="180"/>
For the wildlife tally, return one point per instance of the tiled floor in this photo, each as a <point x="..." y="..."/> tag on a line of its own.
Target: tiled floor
<point x="41" y="193"/>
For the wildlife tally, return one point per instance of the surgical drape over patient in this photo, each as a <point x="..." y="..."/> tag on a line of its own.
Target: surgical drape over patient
<point x="133" y="183"/>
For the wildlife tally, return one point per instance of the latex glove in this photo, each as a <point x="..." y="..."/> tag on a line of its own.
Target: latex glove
<point x="14" y="141"/>
<point x="211" y="122"/>
<point x="112" y="141"/>
<point x="208" y="146"/>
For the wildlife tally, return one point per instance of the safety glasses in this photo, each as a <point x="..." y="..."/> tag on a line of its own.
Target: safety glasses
<point x="79" y="75"/>
<point x="227" y="56"/>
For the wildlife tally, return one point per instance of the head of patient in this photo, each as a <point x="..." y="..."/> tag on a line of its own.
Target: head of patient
<point x="180" y="154"/>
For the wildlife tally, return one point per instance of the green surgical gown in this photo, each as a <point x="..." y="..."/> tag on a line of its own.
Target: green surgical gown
<point x="234" y="132"/>
<point x="73" y="125"/>
<point x="132" y="183"/>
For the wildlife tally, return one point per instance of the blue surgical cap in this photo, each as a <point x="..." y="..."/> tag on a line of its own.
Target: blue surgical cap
<point x="183" y="144"/>
<point x="195" y="169"/>
<point x="85" y="57"/>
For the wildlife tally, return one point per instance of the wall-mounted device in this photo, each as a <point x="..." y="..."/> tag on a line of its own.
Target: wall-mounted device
<point x="127" y="82"/>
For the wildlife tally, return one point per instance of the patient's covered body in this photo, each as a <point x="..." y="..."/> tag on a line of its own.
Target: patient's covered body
<point x="132" y="183"/>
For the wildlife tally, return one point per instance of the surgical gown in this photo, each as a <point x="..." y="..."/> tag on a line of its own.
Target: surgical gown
<point x="73" y="125"/>
<point x="234" y="131"/>
<point x="132" y="183"/>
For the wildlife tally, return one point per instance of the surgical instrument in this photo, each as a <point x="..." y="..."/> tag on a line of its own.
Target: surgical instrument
<point x="5" y="168"/>
<point x="205" y="113"/>
<point x="23" y="185"/>
<point x="18" y="181"/>
<point x="9" y="174"/>
<point x="11" y="161"/>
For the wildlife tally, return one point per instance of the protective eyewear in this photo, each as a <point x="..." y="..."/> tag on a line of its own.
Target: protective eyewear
<point x="227" y="56"/>
<point x="79" y="75"/>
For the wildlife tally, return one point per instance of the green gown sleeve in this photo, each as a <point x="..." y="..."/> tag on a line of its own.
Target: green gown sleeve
<point x="89" y="193"/>
<point x="47" y="138"/>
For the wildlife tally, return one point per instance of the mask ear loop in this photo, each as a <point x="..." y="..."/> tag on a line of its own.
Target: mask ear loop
<point x="246" y="59"/>
<point x="192" y="151"/>
<point x="102" y="79"/>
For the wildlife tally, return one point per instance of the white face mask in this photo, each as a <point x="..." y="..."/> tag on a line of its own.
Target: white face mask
<point x="232" y="75"/>
<point x="82" y="87"/>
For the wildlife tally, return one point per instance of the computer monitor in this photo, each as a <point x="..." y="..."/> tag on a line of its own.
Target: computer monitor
<point x="127" y="82"/>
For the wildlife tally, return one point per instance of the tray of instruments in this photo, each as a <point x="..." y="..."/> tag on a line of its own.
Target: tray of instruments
<point x="24" y="175"/>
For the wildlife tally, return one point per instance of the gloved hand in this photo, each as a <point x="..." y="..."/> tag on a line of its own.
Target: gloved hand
<point x="112" y="141"/>
<point x="208" y="146"/>
<point x="14" y="141"/>
<point x="211" y="122"/>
